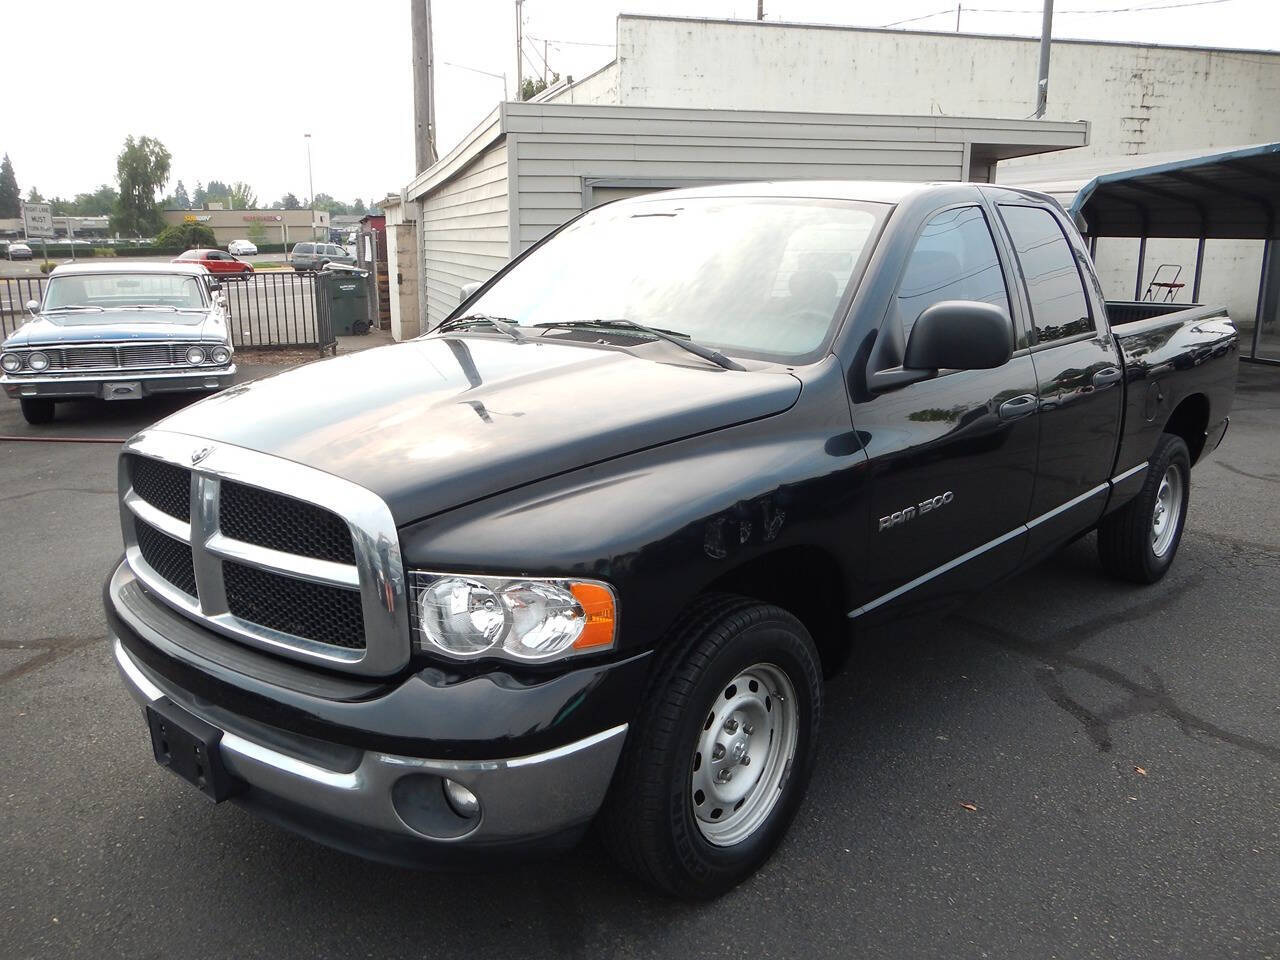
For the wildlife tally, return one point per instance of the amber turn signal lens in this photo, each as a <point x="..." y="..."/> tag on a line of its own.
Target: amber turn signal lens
<point x="597" y="604"/>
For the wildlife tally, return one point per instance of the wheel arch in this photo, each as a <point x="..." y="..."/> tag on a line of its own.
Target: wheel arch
<point x="1190" y="421"/>
<point x="809" y="583"/>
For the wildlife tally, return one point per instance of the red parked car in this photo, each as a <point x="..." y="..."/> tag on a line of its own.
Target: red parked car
<point x="218" y="262"/>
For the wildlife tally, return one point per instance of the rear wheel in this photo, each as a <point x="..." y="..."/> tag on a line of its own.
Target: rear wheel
<point x="716" y="764"/>
<point x="37" y="410"/>
<point x="1138" y="542"/>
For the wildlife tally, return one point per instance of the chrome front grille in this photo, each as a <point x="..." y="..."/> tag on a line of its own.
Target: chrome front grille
<point x="125" y="356"/>
<point x="266" y="558"/>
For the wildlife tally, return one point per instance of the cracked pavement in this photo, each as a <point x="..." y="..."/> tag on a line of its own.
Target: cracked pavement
<point x="1119" y="746"/>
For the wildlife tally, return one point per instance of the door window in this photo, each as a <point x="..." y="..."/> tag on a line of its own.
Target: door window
<point x="1059" y="308"/>
<point x="954" y="259"/>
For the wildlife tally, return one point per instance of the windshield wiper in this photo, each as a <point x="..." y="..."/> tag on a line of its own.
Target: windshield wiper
<point x="501" y="324"/>
<point x="147" y="306"/>
<point x="681" y="340"/>
<point x="72" y="306"/>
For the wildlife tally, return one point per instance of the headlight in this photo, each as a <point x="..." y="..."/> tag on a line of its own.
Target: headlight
<point x="526" y="619"/>
<point x="37" y="360"/>
<point x="195" y="356"/>
<point x="10" y="362"/>
<point x="221" y="355"/>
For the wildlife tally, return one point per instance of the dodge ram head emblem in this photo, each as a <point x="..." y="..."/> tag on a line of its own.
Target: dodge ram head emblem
<point x="200" y="454"/>
<point x="910" y="513"/>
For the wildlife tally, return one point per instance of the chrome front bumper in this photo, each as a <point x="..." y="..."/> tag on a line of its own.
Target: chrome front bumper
<point x="373" y="794"/>
<point x="91" y="385"/>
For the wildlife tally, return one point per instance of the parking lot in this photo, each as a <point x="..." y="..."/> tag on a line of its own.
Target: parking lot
<point x="1119" y="748"/>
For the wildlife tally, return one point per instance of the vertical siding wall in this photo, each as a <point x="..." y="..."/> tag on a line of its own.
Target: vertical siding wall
<point x="555" y="146"/>
<point x="465" y="230"/>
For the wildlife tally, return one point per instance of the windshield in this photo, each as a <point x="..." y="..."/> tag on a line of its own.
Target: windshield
<point x="162" y="292"/>
<point x="758" y="277"/>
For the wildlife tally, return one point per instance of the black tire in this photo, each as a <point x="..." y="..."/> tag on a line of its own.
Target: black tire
<point x="1127" y="538"/>
<point x="246" y="275"/>
<point x="37" y="410"/>
<point x="648" y="820"/>
<point x="359" y="327"/>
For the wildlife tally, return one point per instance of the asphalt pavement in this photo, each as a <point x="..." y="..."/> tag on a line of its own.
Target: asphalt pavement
<point x="1066" y="767"/>
<point x="31" y="268"/>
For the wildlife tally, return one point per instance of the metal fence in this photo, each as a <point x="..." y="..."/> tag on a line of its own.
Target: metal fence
<point x="269" y="310"/>
<point x="14" y="293"/>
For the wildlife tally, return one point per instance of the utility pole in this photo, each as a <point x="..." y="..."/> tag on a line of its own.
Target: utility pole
<point x="519" y="55"/>
<point x="311" y="187"/>
<point x="759" y="9"/>
<point x="424" y="86"/>
<point x="957" y="18"/>
<point x="1042" y="78"/>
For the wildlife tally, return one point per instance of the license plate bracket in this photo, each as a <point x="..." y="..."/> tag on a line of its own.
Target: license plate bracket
<point x="189" y="747"/>
<point x="122" y="390"/>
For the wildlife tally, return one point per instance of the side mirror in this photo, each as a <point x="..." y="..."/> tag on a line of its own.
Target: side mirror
<point x="951" y="335"/>
<point x="468" y="290"/>
<point x="33" y="306"/>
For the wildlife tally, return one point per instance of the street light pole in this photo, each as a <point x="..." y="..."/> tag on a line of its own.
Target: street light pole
<point x="311" y="187"/>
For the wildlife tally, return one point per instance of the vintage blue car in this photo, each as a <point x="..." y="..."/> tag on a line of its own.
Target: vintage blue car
<point x="119" y="331"/>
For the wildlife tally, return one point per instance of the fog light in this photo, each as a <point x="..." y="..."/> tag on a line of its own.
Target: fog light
<point x="463" y="801"/>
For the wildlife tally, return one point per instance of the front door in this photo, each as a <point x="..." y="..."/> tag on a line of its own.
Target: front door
<point x="1078" y="369"/>
<point x="953" y="458"/>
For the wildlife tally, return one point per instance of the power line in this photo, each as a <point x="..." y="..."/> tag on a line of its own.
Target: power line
<point x="1146" y="8"/>
<point x="569" y="43"/>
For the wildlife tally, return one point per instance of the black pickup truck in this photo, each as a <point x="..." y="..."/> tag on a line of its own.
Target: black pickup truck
<point x="585" y="552"/>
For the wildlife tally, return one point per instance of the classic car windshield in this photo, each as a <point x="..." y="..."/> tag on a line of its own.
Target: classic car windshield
<point x="161" y="293"/>
<point x="758" y="277"/>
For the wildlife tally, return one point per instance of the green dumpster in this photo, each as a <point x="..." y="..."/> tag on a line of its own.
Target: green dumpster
<point x="346" y="291"/>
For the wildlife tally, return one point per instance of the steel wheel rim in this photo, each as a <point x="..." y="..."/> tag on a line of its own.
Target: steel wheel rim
<point x="743" y="753"/>
<point x="1167" y="511"/>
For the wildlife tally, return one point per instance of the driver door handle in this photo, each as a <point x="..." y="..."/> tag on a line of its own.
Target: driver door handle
<point x="1105" y="376"/>
<point x="1019" y="407"/>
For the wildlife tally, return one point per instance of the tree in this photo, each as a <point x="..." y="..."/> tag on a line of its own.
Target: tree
<point x="33" y="196"/>
<point x="10" y="196"/>
<point x="530" y="87"/>
<point x="185" y="236"/>
<point x="242" y="196"/>
<point x="180" y="198"/>
<point x="217" y="192"/>
<point x="142" y="169"/>
<point x="198" y="195"/>
<point x="291" y="202"/>
<point x="257" y="232"/>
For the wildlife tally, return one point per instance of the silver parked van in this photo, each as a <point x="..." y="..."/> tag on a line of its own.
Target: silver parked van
<point x="309" y="255"/>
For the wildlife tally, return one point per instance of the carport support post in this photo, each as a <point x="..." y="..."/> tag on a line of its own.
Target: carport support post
<point x="1142" y="260"/>
<point x="1195" y="284"/>
<point x="1268" y="249"/>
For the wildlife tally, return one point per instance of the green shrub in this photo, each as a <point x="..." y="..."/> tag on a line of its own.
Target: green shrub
<point x="47" y="267"/>
<point x="104" y="251"/>
<point x="185" y="236"/>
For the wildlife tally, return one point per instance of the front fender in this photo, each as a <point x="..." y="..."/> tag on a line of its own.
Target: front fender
<point x="662" y="524"/>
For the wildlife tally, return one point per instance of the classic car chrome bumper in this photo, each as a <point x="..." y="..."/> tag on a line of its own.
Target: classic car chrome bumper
<point x="57" y="386"/>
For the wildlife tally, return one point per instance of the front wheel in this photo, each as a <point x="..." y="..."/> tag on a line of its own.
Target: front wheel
<point x="37" y="410"/>
<point x="1138" y="542"/>
<point x="717" y="762"/>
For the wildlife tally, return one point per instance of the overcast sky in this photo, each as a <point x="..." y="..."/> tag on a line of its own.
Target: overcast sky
<point x="231" y="88"/>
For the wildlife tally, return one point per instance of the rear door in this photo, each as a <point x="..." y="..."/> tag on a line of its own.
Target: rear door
<point x="1078" y="373"/>
<point x="953" y="458"/>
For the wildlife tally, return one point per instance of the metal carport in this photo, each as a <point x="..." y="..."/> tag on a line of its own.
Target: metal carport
<point x="1234" y="195"/>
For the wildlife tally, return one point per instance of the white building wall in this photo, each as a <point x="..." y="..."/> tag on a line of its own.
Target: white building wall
<point x="465" y="230"/>
<point x="1138" y="99"/>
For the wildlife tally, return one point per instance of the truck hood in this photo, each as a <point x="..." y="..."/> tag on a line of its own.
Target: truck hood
<point x="87" y="327"/>
<point x="431" y="424"/>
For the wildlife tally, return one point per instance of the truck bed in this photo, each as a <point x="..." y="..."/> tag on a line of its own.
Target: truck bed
<point x="1180" y="361"/>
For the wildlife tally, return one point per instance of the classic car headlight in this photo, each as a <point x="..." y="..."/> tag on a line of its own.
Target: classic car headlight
<point x="221" y="355"/>
<point x="195" y="356"/>
<point x="10" y="362"/>
<point x="527" y="619"/>
<point x="37" y="360"/>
